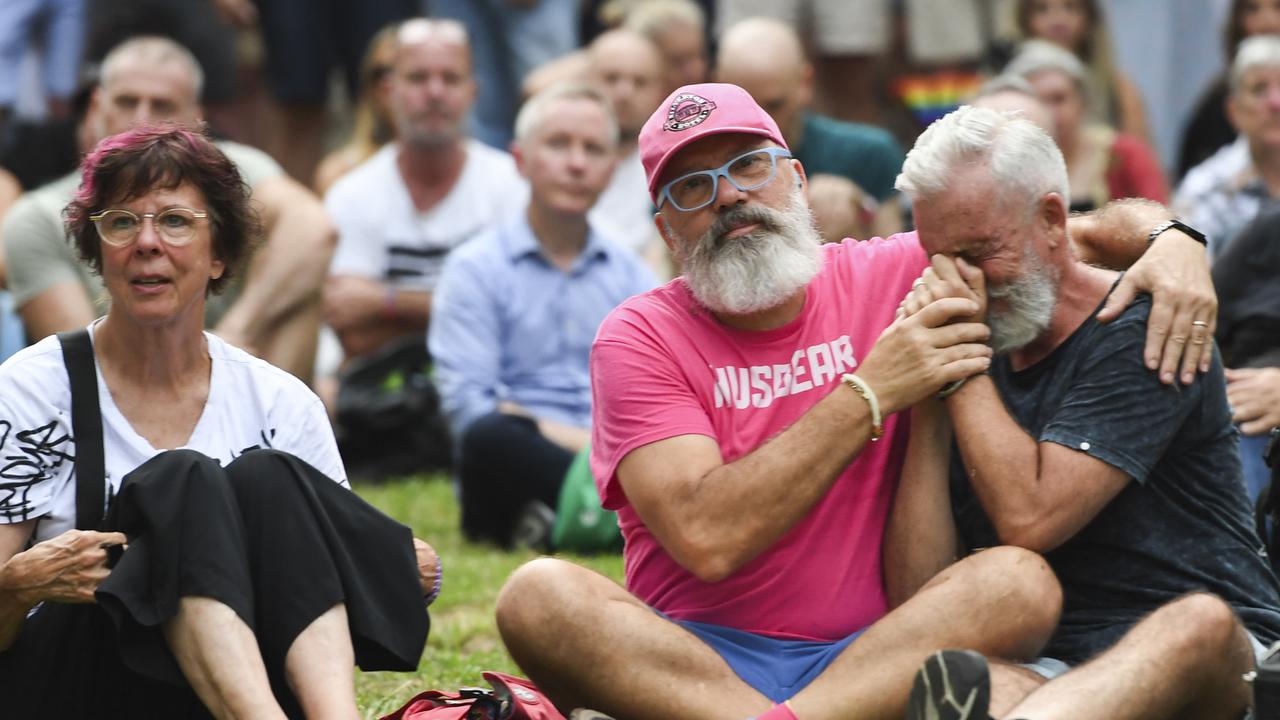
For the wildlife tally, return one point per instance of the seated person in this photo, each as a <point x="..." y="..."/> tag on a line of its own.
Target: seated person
<point x="766" y="57"/>
<point x="517" y="309"/>
<point x="273" y="311"/>
<point x="233" y="569"/>
<point x="1225" y="192"/>
<point x="1070" y="447"/>
<point x="1249" y="334"/>
<point x="745" y="428"/>
<point x="841" y="209"/>
<point x="1102" y="163"/>
<point x="405" y="208"/>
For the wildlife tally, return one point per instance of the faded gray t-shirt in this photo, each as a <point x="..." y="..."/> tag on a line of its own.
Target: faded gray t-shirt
<point x="1183" y="524"/>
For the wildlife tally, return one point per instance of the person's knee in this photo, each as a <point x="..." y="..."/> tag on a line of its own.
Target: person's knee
<point x="1203" y="623"/>
<point x="537" y="596"/>
<point x="1027" y="585"/>
<point x="262" y="475"/>
<point x="490" y="433"/>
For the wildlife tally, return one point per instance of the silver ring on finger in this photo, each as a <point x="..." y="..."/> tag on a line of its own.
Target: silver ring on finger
<point x="1200" y="323"/>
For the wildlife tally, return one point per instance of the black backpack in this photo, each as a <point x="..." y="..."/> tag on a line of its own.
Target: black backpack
<point x="389" y="422"/>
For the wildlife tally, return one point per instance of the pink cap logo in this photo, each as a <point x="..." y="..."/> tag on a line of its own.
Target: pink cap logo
<point x="687" y="110"/>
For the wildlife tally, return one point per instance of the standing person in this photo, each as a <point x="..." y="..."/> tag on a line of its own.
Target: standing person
<point x="1069" y="447"/>
<point x="233" y="568"/>
<point x="516" y="311"/>
<point x="1080" y="27"/>
<point x="744" y="427"/>
<point x="400" y="213"/>
<point x="273" y="311"/>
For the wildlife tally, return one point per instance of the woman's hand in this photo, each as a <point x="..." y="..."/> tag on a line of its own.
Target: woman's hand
<point x="67" y="568"/>
<point x="428" y="565"/>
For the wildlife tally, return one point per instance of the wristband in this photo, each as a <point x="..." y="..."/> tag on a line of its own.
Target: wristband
<point x="435" y="587"/>
<point x="1176" y="224"/>
<point x="861" y="387"/>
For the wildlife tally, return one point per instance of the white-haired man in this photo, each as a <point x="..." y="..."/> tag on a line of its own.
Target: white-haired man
<point x="516" y="311"/>
<point x="1070" y="447"/>
<point x="1225" y="192"/>
<point x="274" y="313"/>
<point x="744" y="427"/>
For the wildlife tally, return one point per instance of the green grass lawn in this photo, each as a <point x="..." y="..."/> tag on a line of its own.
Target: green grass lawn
<point x="464" y="638"/>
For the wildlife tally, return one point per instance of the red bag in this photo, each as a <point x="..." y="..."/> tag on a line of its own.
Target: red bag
<point x="512" y="698"/>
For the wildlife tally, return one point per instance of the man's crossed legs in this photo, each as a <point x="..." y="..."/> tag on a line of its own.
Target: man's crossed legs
<point x="587" y="642"/>
<point x="1185" y="660"/>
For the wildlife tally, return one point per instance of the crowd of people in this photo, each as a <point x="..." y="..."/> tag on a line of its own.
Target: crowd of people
<point x="961" y="419"/>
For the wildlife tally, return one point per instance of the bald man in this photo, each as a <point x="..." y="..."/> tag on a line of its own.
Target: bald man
<point x="631" y="71"/>
<point x="765" y="57"/>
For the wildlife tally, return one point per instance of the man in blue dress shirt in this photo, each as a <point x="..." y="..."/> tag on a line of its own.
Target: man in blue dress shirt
<point x="517" y="309"/>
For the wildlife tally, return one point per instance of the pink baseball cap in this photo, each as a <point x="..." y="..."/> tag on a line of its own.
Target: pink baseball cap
<point x="696" y="111"/>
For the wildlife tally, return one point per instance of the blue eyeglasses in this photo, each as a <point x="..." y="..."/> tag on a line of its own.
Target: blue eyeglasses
<point x="748" y="171"/>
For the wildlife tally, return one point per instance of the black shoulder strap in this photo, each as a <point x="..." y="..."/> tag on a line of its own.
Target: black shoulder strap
<point x="86" y="423"/>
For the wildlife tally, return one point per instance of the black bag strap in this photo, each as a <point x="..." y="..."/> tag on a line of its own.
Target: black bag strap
<point x="86" y="423"/>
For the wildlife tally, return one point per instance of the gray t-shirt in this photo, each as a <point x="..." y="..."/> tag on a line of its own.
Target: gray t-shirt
<point x="40" y="256"/>
<point x="1184" y="522"/>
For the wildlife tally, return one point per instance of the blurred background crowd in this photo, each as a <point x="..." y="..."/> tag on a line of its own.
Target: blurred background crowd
<point x="377" y="142"/>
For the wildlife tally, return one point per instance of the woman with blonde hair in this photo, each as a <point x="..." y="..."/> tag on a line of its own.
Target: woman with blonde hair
<point x="372" y="126"/>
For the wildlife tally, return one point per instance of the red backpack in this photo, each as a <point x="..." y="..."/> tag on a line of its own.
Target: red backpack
<point x="512" y="698"/>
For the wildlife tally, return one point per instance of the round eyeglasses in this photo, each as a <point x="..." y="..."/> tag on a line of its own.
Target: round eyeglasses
<point x="748" y="171"/>
<point x="175" y="226"/>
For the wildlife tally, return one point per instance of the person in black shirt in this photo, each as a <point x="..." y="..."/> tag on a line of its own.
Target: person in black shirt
<point x="1131" y="488"/>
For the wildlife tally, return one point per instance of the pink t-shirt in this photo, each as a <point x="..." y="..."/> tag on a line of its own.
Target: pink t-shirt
<point x="663" y="366"/>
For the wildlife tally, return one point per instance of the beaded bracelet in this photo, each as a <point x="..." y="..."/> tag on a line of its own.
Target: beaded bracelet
<point x="435" y="587"/>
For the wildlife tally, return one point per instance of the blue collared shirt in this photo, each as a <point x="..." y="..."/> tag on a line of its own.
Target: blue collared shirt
<point x="508" y="325"/>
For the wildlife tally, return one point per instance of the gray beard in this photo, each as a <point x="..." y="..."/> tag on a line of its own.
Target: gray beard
<point x="1030" y="299"/>
<point x="760" y="270"/>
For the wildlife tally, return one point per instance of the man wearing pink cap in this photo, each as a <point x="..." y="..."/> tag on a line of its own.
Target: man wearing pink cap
<point x="744" y="428"/>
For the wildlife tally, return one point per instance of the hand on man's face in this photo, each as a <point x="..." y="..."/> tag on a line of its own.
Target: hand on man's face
<point x="947" y="277"/>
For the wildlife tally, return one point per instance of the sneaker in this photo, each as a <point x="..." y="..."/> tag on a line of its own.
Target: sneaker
<point x="533" y="527"/>
<point x="951" y="685"/>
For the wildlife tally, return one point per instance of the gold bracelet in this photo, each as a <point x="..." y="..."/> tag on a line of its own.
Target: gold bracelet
<point x="861" y="387"/>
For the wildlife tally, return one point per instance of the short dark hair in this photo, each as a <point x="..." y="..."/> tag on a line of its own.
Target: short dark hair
<point x="134" y="163"/>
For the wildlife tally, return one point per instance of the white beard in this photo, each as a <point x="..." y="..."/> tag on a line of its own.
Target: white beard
<point x="760" y="270"/>
<point x="1030" y="298"/>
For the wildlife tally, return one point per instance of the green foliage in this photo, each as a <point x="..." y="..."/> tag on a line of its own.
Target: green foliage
<point x="464" y="637"/>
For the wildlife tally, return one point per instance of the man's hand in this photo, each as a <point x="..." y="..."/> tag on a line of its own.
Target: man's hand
<point x="350" y="301"/>
<point x="67" y="568"/>
<point x="917" y="355"/>
<point x="1184" y="307"/>
<point x="1254" y="394"/>
<point x="947" y="277"/>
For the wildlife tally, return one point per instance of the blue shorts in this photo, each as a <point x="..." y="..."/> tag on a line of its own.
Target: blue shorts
<point x="777" y="668"/>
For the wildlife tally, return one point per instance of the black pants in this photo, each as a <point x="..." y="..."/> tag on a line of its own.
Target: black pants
<point x="506" y="463"/>
<point x="269" y="536"/>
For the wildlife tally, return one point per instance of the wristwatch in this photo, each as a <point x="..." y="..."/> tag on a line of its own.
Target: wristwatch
<point x="1176" y="224"/>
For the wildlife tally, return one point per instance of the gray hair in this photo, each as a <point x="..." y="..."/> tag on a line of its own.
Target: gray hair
<point x="152" y="50"/>
<point x="534" y="110"/>
<point x="1006" y="82"/>
<point x="653" y="17"/>
<point x="1039" y="55"/>
<point x="1023" y="159"/>
<point x="1257" y="51"/>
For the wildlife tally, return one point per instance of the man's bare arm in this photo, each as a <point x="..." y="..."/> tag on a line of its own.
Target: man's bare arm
<point x="366" y="313"/>
<point x="63" y="307"/>
<point x="713" y="517"/>
<point x="921" y="538"/>
<point x="288" y="270"/>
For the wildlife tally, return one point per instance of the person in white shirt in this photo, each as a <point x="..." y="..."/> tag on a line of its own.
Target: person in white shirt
<point x="400" y="213"/>
<point x="233" y="569"/>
